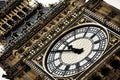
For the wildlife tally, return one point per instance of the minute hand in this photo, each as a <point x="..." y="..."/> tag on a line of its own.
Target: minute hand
<point x="78" y="51"/>
<point x="62" y="51"/>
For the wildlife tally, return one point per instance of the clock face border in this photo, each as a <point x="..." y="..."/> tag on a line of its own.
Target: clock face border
<point x="67" y="32"/>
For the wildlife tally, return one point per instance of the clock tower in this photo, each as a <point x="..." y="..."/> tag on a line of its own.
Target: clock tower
<point x="70" y="40"/>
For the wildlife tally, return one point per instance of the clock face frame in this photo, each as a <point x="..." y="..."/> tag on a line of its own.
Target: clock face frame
<point x="75" y="50"/>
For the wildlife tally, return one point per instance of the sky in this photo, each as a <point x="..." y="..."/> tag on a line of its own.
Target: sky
<point x="115" y="3"/>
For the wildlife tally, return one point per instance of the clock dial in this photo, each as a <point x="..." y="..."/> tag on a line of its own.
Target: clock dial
<point x="76" y="50"/>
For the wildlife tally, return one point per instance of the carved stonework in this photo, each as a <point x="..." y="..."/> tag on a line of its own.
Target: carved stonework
<point x="72" y="40"/>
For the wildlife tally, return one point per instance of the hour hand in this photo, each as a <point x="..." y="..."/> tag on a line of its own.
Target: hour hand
<point x="78" y="51"/>
<point x="75" y="50"/>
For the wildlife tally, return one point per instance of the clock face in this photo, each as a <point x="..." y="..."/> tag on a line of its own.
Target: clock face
<point x="76" y="50"/>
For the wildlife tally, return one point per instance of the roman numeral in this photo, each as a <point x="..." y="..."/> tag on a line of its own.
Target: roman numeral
<point x="75" y="35"/>
<point x="57" y="67"/>
<point x="99" y="41"/>
<point x="94" y="34"/>
<point x="86" y="32"/>
<point x="53" y="60"/>
<point x="66" y="69"/>
<point x="64" y="42"/>
<point x="97" y="50"/>
<point x="89" y="59"/>
<point x="77" y="66"/>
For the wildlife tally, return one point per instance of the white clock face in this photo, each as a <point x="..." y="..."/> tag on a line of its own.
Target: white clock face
<point x="76" y="50"/>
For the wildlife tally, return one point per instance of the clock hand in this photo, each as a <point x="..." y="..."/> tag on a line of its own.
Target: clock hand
<point x="62" y="51"/>
<point x="78" y="51"/>
<point x="75" y="50"/>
